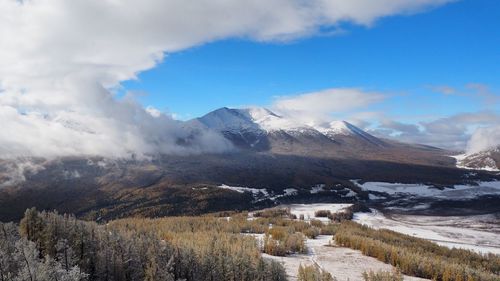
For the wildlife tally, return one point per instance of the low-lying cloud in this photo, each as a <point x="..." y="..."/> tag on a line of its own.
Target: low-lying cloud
<point x="471" y="131"/>
<point x="60" y="61"/>
<point x="484" y="138"/>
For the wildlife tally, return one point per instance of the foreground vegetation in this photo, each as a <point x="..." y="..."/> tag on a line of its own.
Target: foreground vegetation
<point x="383" y="276"/>
<point x="313" y="273"/>
<point x="285" y="237"/>
<point x="419" y="257"/>
<point x="48" y="246"/>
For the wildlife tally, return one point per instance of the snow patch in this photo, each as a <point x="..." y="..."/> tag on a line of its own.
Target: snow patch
<point x="421" y="190"/>
<point x="487" y="163"/>
<point x="342" y="263"/>
<point x="241" y="189"/>
<point x="317" y="188"/>
<point x="290" y="192"/>
<point x="335" y="128"/>
<point x="309" y="210"/>
<point x="446" y="231"/>
<point x="260" y="194"/>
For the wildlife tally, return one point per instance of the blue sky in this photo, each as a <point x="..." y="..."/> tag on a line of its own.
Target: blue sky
<point x="408" y="58"/>
<point x="421" y="71"/>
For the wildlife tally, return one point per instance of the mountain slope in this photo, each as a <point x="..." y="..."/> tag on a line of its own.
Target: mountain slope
<point x="261" y="130"/>
<point x="488" y="160"/>
<point x="271" y="152"/>
<point x="249" y="127"/>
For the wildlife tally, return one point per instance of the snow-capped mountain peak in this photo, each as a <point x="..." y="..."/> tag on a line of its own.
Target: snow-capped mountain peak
<point x="228" y="119"/>
<point x="248" y="119"/>
<point x="335" y="128"/>
<point x="259" y="121"/>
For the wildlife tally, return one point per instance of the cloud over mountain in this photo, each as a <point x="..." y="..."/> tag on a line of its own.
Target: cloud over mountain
<point x="319" y="106"/>
<point x="60" y="61"/>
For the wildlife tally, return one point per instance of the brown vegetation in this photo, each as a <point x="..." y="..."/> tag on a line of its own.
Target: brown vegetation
<point x="313" y="273"/>
<point x="419" y="257"/>
<point x="134" y="249"/>
<point x="383" y="276"/>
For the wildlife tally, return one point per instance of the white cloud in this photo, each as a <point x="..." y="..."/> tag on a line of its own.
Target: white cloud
<point x="153" y="111"/>
<point x="484" y="138"/>
<point x="317" y="107"/>
<point x="59" y="59"/>
<point x="471" y="131"/>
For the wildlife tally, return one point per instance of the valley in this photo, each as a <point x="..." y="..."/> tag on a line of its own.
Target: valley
<point x="283" y="140"/>
<point x="293" y="195"/>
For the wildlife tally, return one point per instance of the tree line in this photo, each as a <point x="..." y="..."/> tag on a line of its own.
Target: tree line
<point x="49" y="246"/>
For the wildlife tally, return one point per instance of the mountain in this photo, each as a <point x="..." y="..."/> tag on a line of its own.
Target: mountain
<point x="488" y="160"/>
<point x="262" y="121"/>
<point x="261" y="130"/>
<point x="276" y="159"/>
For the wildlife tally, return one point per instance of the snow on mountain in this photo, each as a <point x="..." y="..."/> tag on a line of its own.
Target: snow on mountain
<point x="263" y="120"/>
<point x="488" y="160"/>
<point x="249" y="119"/>
<point x="343" y="128"/>
<point x="335" y="128"/>
<point x="231" y="120"/>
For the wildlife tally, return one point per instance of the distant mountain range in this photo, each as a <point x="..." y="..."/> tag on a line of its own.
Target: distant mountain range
<point x="281" y="158"/>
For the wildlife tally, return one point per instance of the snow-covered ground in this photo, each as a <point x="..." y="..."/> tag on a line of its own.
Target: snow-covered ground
<point x="421" y="190"/>
<point x="308" y="210"/>
<point x="343" y="263"/>
<point x="317" y="188"/>
<point x="260" y="194"/>
<point x="487" y="162"/>
<point x="480" y="233"/>
<point x="477" y="233"/>
<point x="242" y="189"/>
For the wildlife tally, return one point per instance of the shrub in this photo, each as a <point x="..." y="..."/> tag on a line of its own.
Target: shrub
<point x="419" y="257"/>
<point x="312" y="232"/>
<point x="322" y="213"/>
<point x="273" y="213"/>
<point x="281" y="243"/>
<point x="383" y="276"/>
<point x="313" y="273"/>
<point x="295" y="243"/>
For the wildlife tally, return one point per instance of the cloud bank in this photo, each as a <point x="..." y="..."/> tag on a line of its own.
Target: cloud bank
<point x="484" y="138"/>
<point x="472" y="131"/>
<point x="60" y="61"/>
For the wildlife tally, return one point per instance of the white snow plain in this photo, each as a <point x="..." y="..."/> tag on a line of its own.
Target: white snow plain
<point x="342" y="263"/>
<point x="478" y="233"/>
<point x="309" y="210"/>
<point x="422" y="190"/>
